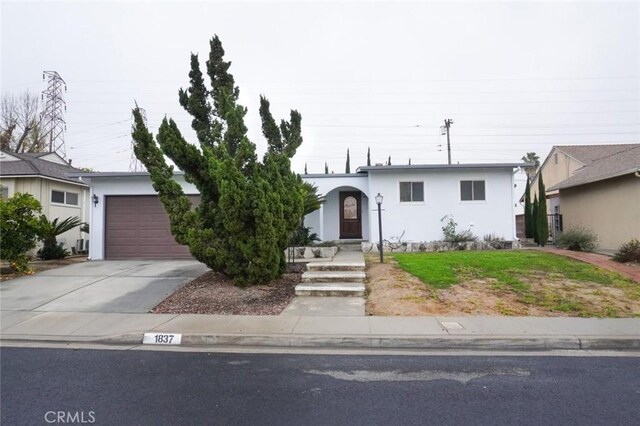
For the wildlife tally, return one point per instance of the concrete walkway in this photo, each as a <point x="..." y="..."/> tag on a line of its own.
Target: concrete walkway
<point x="324" y="291"/>
<point x="600" y="260"/>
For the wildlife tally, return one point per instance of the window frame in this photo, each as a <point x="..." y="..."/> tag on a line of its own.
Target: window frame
<point x="65" y="201"/>
<point x="411" y="192"/>
<point x="473" y="191"/>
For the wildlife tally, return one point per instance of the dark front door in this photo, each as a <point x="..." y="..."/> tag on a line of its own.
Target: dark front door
<point x="350" y="215"/>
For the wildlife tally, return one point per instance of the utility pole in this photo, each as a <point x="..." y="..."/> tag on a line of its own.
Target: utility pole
<point x="134" y="163"/>
<point x="52" y="117"/>
<point x="447" y="125"/>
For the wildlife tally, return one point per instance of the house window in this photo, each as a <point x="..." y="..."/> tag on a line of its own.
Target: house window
<point x="472" y="190"/>
<point x="411" y="192"/>
<point x="5" y="192"/>
<point x="62" y="197"/>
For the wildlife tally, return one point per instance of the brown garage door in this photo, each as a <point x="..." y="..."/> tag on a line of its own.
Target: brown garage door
<point x="137" y="227"/>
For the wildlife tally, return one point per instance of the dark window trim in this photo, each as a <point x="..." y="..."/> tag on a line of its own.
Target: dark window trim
<point x="473" y="190"/>
<point x="65" y="201"/>
<point x="411" y="183"/>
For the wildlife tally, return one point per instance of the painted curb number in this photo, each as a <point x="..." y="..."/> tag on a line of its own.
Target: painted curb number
<point x="161" y="339"/>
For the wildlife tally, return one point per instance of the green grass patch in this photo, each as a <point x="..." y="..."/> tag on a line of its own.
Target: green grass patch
<point x="441" y="270"/>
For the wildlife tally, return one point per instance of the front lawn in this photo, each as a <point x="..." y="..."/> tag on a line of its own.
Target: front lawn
<point x="523" y="282"/>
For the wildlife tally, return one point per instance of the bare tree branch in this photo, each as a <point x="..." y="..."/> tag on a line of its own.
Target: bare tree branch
<point x="20" y="116"/>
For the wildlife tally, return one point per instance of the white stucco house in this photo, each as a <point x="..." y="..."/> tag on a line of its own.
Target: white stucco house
<point x="128" y="219"/>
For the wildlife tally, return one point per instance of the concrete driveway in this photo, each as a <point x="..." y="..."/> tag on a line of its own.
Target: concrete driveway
<point x="99" y="286"/>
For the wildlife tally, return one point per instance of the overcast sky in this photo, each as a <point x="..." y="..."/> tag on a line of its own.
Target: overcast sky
<point x="514" y="76"/>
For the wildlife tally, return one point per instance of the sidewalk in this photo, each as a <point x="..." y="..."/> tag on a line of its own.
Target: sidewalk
<point x="327" y="322"/>
<point x="600" y="260"/>
<point x="491" y="333"/>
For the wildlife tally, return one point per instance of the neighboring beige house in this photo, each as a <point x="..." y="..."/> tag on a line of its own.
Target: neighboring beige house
<point x="44" y="175"/>
<point x="564" y="161"/>
<point x="603" y="194"/>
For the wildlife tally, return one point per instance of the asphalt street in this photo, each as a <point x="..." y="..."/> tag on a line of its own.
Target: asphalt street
<point x="47" y="386"/>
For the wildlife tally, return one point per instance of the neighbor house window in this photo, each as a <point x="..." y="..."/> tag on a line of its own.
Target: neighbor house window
<point x="5" y="192"/>
<point x="411" y="191"/>
<point x="472" y="190"/>
<point x="63" y="197"/>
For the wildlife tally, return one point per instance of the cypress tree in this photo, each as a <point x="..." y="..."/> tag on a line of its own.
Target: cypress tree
<point x="534" y="215"/>
<point x="528" y="231"/>
<point x="409" y="160"/>
<point x="305" y="168"/>
<point x="368" y="156"/>
<point x="248" y="208"/>
<point x="326" y="168"/>
<point x="542" y="224"/>
<point x="347" y="168"/>
<point x="389" y="161"/>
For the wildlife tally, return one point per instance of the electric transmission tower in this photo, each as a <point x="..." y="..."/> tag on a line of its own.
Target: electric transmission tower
<point x="52" y="118"/>
<point x="134" y="164"/>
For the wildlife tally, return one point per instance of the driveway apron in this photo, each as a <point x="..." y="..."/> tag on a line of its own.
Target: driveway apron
<point x="99" y="286"/>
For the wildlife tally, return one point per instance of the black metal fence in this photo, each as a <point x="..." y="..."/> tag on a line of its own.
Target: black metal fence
<point x="555" y="226"/>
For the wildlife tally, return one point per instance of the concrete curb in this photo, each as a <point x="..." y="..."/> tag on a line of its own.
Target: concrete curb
<point x="490" y="343"/>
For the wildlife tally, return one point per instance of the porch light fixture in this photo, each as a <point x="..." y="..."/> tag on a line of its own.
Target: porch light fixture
<point x="379" y="199"/>
<point x="95" y="200"/>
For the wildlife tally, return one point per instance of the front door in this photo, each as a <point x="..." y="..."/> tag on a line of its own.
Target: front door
<point x="350" y="215"/>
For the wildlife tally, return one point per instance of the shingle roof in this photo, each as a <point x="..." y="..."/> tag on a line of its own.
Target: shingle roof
<point x="31" y="164"/>
<point x="618" y="163"/>
<point x="588" y="153"/>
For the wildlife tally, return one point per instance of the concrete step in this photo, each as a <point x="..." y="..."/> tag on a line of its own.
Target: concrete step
<point x="327" y="306"/>
<point x="350" y="247"/>
<point x="333" y="277"/>
<point x="335" y="266"/>
<point x="334" y="289"/>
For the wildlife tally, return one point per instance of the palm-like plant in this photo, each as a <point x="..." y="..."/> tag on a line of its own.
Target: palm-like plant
<point x="312" y="200"/>
<point x="531" y="157"/>
<point x="49" y="231"/>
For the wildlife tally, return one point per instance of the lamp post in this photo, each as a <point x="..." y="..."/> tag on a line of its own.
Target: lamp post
<point x="379" y="203"/>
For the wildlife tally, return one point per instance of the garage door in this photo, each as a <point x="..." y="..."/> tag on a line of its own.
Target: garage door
<point x="137" y="227"/>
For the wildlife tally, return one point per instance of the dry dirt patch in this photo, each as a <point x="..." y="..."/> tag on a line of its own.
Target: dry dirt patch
<point x="214" y="293"/>
<point x="394" y="292"/>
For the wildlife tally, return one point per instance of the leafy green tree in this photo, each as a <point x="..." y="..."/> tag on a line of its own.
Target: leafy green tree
<point x="19" y="227"/>
<point x="528" y="219"/>
<point x="347" y="168"/>
<point x="48" y="233"/>
<point x="368" y="156"/>
<point x="248" y="208"/>
<point x="542" y="224"/>
<point x="534" y="216"/>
